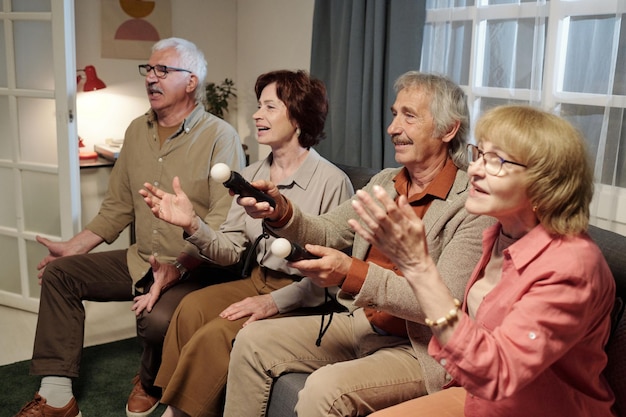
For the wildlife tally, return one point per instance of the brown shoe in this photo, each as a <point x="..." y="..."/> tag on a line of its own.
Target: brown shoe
<point x="39" y="408"/>
<point x="140" y="403"/>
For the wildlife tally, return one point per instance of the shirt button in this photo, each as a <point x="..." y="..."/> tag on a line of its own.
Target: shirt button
<point x="160" y="159"/>
<point x="186" y="130"/>
<point x="156" y="254"/>
<point x="532" y="335"/>
<point x="443" y="362"/>
<point x="156" y="183"/>
<point x="155" y="231"/>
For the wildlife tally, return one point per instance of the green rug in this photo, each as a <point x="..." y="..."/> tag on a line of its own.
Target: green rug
<point x="101" y="390"/>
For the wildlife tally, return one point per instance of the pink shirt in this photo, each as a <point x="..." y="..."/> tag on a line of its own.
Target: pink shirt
<point x="536" y="346"/>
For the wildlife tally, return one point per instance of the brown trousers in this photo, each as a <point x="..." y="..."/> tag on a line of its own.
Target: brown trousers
<point x="197" y="346"/>
<point x="99" y="276"/>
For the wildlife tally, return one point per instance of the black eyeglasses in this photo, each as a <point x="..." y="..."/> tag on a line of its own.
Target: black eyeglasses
<point x="160" y="71"/>
<point x="493" y="163"/>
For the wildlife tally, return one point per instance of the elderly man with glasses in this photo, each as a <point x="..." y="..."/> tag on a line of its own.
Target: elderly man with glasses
<point x="176" y="137"/>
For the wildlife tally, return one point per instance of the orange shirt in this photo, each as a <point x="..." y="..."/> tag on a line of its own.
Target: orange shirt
<point x="438" y="188"/>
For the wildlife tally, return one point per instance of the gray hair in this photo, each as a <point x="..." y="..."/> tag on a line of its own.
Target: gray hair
<point x="448" y="106"/>
<point x="191" y="58"/>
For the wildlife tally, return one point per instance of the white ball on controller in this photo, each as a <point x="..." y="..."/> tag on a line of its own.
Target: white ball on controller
<point x="220" y="172"/>
<point x="281" y="247"/>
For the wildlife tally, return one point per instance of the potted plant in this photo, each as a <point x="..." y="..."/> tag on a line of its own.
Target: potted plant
<point x="217" y="96"/>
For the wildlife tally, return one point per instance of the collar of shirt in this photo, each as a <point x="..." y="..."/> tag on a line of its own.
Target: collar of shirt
<point x="439" y="188"/>
<point x="525" y="249"/>
<point x="190" y="121"/>
<point x="303" y="176"/>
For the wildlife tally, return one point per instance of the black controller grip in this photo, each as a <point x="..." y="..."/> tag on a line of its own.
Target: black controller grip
<point x="292" y="252"/>
<point x="239" y="185"/>
<point x="298" y="253"/>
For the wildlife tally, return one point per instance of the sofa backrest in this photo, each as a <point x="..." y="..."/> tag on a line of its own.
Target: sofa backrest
<point x="359" y="176"/>
<point x="613" y="247"/>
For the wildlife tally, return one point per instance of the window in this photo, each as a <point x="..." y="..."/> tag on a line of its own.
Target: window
<point x="565" y="56"/>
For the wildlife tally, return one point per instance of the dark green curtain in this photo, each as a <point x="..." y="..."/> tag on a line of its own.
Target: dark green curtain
<point x="359" y="48"/>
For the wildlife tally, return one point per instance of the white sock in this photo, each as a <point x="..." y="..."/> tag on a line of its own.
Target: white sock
<point x="57" y="390"/>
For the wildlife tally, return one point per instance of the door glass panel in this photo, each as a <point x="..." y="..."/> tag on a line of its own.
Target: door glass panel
<point x="35" y="252"/>
<point x="8" y="217"/>
<point x="6" y="140"/>
<point x="38" y="140"/>
<point x="42" y="218"/>
<point x="10" y="260"/>
<point x="3" y="56"/>
<point x="33" y="70"/>
<point x="31" y="6"/>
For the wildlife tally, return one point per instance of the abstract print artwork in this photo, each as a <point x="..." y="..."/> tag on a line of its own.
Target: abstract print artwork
<point x="131" y="27"/>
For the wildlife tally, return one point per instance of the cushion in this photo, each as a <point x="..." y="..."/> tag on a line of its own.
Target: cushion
<point x="284" y="395"/>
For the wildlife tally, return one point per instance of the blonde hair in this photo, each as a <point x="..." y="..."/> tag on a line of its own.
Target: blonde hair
<point x="559" y="179"/>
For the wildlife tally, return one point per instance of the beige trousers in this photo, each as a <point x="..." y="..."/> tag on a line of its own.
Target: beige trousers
<point x="355" y="371"/>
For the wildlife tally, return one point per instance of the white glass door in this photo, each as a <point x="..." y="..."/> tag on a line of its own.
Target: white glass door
<point x="39" y="173"/>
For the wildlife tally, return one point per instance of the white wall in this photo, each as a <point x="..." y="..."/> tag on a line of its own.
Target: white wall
<point x="272" y="34"/>
<point x="240" y="38"/>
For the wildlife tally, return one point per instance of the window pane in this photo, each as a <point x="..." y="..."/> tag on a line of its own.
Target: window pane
<point x="620" y="70"/>
<point x="444" y="4"/>
<point x="589" y="45"/>
<point x="508" y="59"/>
<point x="616" y="149"/>
<point x="486" y="103"/>
<point x="446" y="50"/>
<point x="510" y="1"/>
<point x="589" y="120"/>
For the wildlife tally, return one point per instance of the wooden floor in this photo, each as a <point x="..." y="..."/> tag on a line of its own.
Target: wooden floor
<point x="106" y="322"/>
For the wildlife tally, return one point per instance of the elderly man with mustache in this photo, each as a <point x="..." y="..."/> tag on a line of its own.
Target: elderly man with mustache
<point x="176" y="137"/>
<point x="374" y="354"/>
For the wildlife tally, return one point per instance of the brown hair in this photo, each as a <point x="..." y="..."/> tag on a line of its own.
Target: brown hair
<point x="305" y="98"/>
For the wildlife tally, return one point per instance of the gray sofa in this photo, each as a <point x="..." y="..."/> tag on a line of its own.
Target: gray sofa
<point x="285" y="389"/>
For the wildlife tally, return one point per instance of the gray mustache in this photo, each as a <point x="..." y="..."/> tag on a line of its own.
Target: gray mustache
<point x="154" y="89"/>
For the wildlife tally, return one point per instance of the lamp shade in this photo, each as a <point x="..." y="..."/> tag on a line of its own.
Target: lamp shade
<point x="92" y="81"/>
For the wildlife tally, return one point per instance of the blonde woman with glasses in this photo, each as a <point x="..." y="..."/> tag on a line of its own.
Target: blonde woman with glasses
<point x="528" y="338"/>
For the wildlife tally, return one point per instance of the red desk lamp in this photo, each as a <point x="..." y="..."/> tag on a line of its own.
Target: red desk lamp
<point x="92" y="83"/>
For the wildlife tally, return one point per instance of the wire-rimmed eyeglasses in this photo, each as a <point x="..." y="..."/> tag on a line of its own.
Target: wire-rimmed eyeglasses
<point x="160" y="71"/>
<point x="493" y="163"/>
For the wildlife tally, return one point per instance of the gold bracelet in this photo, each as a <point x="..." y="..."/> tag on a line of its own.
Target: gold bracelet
<point x="448" y="319"/>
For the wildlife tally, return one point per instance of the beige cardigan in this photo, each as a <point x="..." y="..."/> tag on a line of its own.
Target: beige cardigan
<point x="454" y="242"/>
